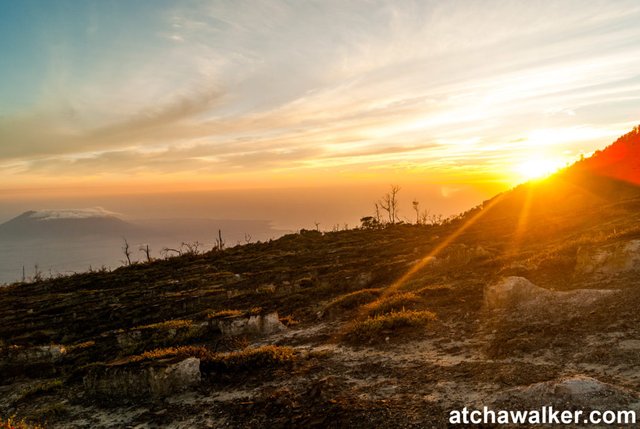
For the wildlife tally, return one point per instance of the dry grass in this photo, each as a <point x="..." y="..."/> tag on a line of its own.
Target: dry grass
<point x="376" y="327"/>
<point x="243" y="360"/>
<point x="225" y="313"/>
<point x="46" y="386"/>
<point x="12" y="423"/>
<point x="165" y="326"/>
<point x="395" y="302"/>
<point x="352" y="300"/>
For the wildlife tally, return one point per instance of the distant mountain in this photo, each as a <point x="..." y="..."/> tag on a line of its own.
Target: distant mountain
<point x="66" y="223"/>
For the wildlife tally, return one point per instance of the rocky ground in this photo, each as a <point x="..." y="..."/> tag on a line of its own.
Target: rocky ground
<point x="390" y="327"/>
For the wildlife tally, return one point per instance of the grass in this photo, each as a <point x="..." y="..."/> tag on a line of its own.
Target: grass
<point x="352" y="300"/>
<point x="395" y="302"/>
<point x="12" y="423"/>
<point x="47" y="386"/>
<point x="247" y="359"/>
<point x="263" y="357"/>
<point x="165" y="326"/>
<point x="225" y="313"/>
<point x="375" y="327"/>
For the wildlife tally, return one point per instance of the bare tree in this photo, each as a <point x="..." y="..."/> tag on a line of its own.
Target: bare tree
<point x="416" y="208"/>
<point x="191" y="248"/>
<point x="127" y="251"/>
<point x="317" y="224"/>
<point x="167" y="250"/>
<point x="147" y="252"/>
<point x="247" y="238"/>
<point x="389" y="203"/>
<point x="377" y="213"/>
<point x="219" y="241"/>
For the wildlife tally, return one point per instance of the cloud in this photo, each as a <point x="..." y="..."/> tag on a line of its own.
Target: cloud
<point x="441" y="85"/>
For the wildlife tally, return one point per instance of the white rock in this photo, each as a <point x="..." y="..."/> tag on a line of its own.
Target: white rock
<point x="610" y="259"/>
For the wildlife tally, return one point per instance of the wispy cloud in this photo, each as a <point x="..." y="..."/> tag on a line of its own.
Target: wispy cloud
<point x="274" y="86"/>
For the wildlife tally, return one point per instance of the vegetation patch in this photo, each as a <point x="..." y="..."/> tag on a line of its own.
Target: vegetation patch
<point x="12" y="423"/>
<point x="248" y="359"/>
<point x="375" y="327"/>
<point x="44" y="387"/>
<point x="165" y="326"/>
<point x="352" y="300"/>
<point x="222" y="314"/>
<point x="395" y="302"/>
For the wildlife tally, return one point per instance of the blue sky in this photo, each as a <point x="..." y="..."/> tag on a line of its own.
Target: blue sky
<point x="269" y="93"/>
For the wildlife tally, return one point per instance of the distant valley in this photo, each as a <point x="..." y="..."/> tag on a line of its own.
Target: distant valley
<point x="51" y="242"/>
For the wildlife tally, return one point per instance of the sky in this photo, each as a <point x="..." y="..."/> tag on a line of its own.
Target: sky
<point x="278" y="101"/>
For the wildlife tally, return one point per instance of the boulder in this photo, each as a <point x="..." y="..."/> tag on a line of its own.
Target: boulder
<point x="576" y="391"/>
<point x="518" y="293"/>
<point x="513" y="291"/>
<point x="253" y="325"/>
<point x="123" y="383"/>
<point x="609" y="259"/>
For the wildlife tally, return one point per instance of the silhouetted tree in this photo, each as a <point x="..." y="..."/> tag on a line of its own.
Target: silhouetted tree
<point x="389" y="203"/>
<point x="127" y="251"/>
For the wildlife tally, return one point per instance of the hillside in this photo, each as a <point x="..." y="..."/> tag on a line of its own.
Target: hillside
<point x="527" y="300"/>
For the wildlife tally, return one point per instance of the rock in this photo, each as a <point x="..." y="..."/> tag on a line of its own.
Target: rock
<point x="151" y="381"/>
<point x="511" y="292"/>
<point x="610" y="259"/>
<point x="518" y="293"/>
<point x="36" y="354"/>
<point x="258" y="324"/>
<point x="577" y="391"/>
<point x="175" y="378"/>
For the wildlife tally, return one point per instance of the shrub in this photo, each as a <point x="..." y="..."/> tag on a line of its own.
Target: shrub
<point x="374" y="327"/>
<point x="395" y="302"/>
<point x="352" y="300"/>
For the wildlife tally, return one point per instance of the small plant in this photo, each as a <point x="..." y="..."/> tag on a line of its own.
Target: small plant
<point x="375" y="327"/>
<point x="288" y="321"/>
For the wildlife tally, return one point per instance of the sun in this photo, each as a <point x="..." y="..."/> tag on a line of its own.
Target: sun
<point x="538" y="168"/>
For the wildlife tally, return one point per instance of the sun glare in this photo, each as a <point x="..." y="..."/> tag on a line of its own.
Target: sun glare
<point x="537" y="168"/>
